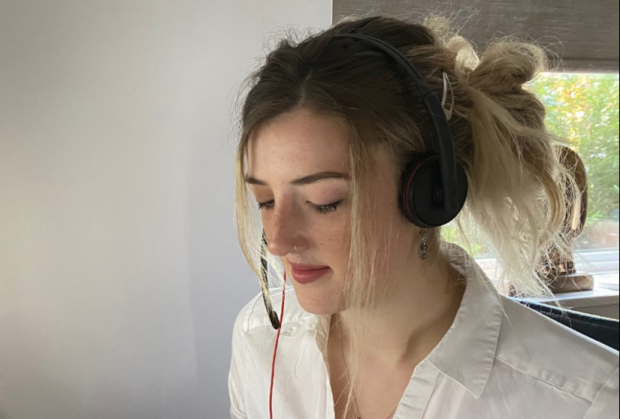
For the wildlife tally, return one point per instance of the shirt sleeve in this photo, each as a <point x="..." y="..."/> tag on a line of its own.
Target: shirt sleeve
<point x="237" y="371"/>
<point x="606" y="403"/>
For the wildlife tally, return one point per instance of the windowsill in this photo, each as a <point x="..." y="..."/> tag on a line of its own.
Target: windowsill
<point x="599" y="297"/>
<point x="609" y="282"/>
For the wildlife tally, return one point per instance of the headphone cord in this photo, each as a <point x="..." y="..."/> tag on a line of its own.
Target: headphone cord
<point x="275" y="352"/>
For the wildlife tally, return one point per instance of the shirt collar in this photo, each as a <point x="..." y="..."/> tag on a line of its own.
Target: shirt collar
<point x="467" y="352"/>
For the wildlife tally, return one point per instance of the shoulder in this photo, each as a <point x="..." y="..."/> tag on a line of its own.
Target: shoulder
<point x="253" y="316"/>
<point x="551" y="353"/>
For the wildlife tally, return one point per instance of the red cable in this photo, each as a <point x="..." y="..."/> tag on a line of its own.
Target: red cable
<point x="275" y="352"/>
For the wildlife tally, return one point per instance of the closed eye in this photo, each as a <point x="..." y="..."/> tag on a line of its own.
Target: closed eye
<point x="321" y="209"/>
<point x="324" y="209"/>
<point x="265" y="205"/>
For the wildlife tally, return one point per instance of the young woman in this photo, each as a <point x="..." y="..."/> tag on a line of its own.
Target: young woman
<point x="355" y="173"/>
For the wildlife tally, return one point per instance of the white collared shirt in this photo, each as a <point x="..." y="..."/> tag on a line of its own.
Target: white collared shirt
<point x="499" y="360"/>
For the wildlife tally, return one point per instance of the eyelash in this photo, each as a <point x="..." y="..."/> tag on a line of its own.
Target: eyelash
<point x="321" y="209"/>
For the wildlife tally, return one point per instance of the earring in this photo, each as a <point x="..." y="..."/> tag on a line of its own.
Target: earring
<point x="424" y="244"/>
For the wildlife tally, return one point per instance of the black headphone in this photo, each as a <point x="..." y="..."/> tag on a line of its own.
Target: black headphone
<point x="434" y="186"/>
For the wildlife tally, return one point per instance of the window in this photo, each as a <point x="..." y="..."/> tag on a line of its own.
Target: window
<point x="584" y="109"/>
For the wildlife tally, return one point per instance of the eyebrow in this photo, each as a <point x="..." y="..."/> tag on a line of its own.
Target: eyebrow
<point x="307" y="180"/>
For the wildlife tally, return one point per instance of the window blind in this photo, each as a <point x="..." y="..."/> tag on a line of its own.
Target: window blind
<point x="583" y="33"/>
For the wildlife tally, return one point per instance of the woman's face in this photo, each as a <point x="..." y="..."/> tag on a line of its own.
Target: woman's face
<point x="298" y="171"/>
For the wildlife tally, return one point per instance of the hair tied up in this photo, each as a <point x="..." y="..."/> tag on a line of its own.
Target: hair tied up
<point x="506" y="66"/>
<point x="466" y="60"/>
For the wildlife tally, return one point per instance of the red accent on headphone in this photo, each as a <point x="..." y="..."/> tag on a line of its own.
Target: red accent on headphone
<point x="275" y="352"/>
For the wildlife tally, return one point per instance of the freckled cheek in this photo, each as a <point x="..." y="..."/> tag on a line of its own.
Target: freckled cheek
<point x="335" y="245"/>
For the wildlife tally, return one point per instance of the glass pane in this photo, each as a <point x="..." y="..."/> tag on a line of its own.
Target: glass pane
<point x="584" y="109"/>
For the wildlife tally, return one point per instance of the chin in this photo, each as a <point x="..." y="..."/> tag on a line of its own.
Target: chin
<point x="317" y="305"/>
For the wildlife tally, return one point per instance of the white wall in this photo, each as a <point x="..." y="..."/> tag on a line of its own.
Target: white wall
<point x="120" y="276"/>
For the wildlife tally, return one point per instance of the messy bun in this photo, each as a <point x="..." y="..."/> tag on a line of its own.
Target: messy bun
<point x="516" y="199"/>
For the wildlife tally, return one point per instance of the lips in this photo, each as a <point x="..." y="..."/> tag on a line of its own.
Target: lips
<point x="302" y="267"/>
<point x="307" y="274"/>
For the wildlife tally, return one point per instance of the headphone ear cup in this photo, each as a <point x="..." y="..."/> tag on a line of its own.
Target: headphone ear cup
<point x="421" y="197"/>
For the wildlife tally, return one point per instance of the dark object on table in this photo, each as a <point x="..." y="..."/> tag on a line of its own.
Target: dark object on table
<point x="603" y="330"/>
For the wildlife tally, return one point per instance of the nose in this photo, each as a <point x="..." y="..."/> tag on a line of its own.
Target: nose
<point x="283" y="233"/>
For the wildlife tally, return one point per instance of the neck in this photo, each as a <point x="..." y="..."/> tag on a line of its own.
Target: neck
<point x="413" y="318"/>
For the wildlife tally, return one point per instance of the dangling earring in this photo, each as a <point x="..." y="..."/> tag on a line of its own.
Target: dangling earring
<point x="424" y="244"/>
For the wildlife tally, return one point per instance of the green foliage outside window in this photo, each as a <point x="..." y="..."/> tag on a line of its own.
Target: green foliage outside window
<point x="584" y="109"/>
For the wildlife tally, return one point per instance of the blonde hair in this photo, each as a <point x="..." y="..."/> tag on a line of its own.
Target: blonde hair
<point x="515" y="199"/>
